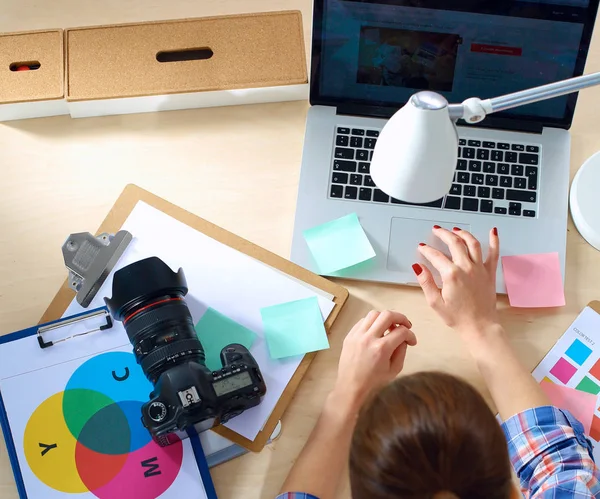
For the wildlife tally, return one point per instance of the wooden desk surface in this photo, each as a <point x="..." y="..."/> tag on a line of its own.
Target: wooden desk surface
<point x="59" y="175"/>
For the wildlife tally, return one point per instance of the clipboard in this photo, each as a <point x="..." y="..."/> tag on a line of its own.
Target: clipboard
<point x="5" y="425"/>
<point x="124" y="205"/>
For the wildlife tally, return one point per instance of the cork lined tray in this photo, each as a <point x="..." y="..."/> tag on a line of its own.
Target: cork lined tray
<point x="42" y="50"/>
<point x="191" y="55"/>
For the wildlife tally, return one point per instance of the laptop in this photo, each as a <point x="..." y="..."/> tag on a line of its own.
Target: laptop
<point x="369" y="57"/>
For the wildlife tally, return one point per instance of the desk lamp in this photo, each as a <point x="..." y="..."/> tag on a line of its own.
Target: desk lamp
<point x="416" y="152"/>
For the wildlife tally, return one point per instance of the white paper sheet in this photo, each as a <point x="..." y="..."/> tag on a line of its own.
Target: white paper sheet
<point x="222" y="278"/>
<point x="585" y="329"/>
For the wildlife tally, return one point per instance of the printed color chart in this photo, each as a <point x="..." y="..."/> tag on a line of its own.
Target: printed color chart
<point x="574" y="362"/>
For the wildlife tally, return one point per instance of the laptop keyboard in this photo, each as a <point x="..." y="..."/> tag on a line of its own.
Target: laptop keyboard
<point x="498" y="178"/>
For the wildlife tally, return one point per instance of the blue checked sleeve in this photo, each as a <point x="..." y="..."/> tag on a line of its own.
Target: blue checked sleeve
<point x="296" y="495"/>
<point x="551" y="455"/>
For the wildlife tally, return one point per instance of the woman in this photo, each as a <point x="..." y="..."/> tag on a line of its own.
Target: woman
<point x="430" y="435"/>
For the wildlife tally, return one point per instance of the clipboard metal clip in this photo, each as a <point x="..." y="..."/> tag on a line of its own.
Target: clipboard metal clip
<point x="90" y="259"/>
<point x="69" y="321"/>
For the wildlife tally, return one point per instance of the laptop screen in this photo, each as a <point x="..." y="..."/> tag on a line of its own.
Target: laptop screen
<point x="379" y="53"/>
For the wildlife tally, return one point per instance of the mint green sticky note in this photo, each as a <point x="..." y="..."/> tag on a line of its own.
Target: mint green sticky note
<point x="215" y="332"/>
<point x="339" y="244"/>
<point x="294" y="328"/>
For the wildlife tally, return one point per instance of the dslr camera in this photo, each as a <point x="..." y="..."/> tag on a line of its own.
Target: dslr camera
<point x="149" y="298"/>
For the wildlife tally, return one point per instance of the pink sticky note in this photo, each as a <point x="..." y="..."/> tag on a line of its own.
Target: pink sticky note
<point x="533" y="280"/>
<point x="581" y="404"/>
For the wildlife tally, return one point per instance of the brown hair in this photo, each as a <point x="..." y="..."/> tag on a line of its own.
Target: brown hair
<point x="429" y="435"/>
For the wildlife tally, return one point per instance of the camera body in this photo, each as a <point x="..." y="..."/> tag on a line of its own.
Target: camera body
<point x="189" y="395"/>
<point x="148" y="297"/>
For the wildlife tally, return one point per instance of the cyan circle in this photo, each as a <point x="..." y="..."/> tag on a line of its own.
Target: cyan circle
<point x="114" y="374"/>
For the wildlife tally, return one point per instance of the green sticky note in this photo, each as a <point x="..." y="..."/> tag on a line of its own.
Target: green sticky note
<point x="215" y="332"/>
<point x="587" y="385"/>
<point x="339" y="244"/>
<point x="294" y="328"/>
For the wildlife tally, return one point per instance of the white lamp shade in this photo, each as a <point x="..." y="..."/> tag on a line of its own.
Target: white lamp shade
<point x="416" y="152"/>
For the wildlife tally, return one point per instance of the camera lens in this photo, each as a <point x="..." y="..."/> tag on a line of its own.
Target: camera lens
<point x="149" y="298"/>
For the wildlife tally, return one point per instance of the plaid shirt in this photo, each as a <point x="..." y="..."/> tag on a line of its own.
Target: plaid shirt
<point x="550" y="454"/>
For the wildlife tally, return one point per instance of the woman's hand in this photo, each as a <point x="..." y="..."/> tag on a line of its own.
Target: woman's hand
<point x="467" y="300"/>
<point x="373" y="354"/>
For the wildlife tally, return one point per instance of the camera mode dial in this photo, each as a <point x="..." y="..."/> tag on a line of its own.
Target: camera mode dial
<point x="157" y="411"/>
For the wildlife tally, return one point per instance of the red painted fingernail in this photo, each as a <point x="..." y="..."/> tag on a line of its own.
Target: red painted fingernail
<point x="417" y="269"/>
<point x="456" y="228"/>
<point x="495" y="229"/>
<point x="436" y="227"/>
<point x="422" y="244"/>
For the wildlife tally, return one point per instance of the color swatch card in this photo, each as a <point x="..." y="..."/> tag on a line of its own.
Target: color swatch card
<point x="574" y="362"/>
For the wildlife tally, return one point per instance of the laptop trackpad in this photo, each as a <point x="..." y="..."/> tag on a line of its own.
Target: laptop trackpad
<point x="405" y="236"/>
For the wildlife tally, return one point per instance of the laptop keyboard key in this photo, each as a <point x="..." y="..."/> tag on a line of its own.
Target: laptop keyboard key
<point x="364" y="194"/>
<point x="468" y="152"/>
<point x="503" y="169"/>
<point x="529" y="213"/>
<point x="483" y="154"/>
<point x="518" y="147"/>
<point x="470" y="204"/>
<point x="523" y="196"/>
<point x="486" y="206"/>
<point x="452" y="203"/>
<point x="341" y="140"/>
<point x="531" y="172"/>
<point x="342" y="153"/>
<point x="489" y="167"/>
<point x="506" y="181"/>
<point x="344" y="166"/>
<point x="461" y="164"/>
<point x="516" y="170"/>
<point x="364" y="167"/>
<point x="372" y="133"/>
<point x="339" y="178"/>
<point x="491" y="180"/>
<point x="456" y="189"/>
<point x="370" y="143"/>
<point x="474" y="166"/>
<point x="532" y="149"/>
<point x="362" y="154"/>
<point x="371" y="155"/>
<point x="529" y="159"/>
<point x="356" y="179"/>
<point x="469" y="191"/>
<point x="342" y="129"/>
<point x="477" y="178"/>
<point x="463" y="177"/>
<point x="500" y="211"/>
<point x="380" y="196"/>
<point x="474" y="143"/>
<point x="483" y="192"/>
<point x="511" y="157"/>
<point x="337" y="191"/>
<point x="356" y="142"/>
<point x="521" y="183"/>
<point x="514" y="209"/>
<point x="502" y="145"/>
<point x="489" y="145"/>
<point x="357" y="131"/>
<point x="368" y="181"/>
<point x="350" y="192"/>
<point x="498" y="193"/>
<point x="497" y="156"/>
<point x="462" y="142"/>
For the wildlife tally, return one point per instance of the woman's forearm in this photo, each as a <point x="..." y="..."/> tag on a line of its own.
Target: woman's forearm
<point x="321" y="463"/>
<point x="511" y="385"/>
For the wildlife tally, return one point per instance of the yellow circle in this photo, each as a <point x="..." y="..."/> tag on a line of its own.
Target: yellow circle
<point x="50" y="447"/>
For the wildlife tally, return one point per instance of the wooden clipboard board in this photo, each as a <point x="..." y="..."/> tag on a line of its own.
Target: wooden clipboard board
<point x="113" y="222"/>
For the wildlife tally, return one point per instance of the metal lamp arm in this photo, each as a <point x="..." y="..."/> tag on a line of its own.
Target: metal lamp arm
<point x="474" y="110"/>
